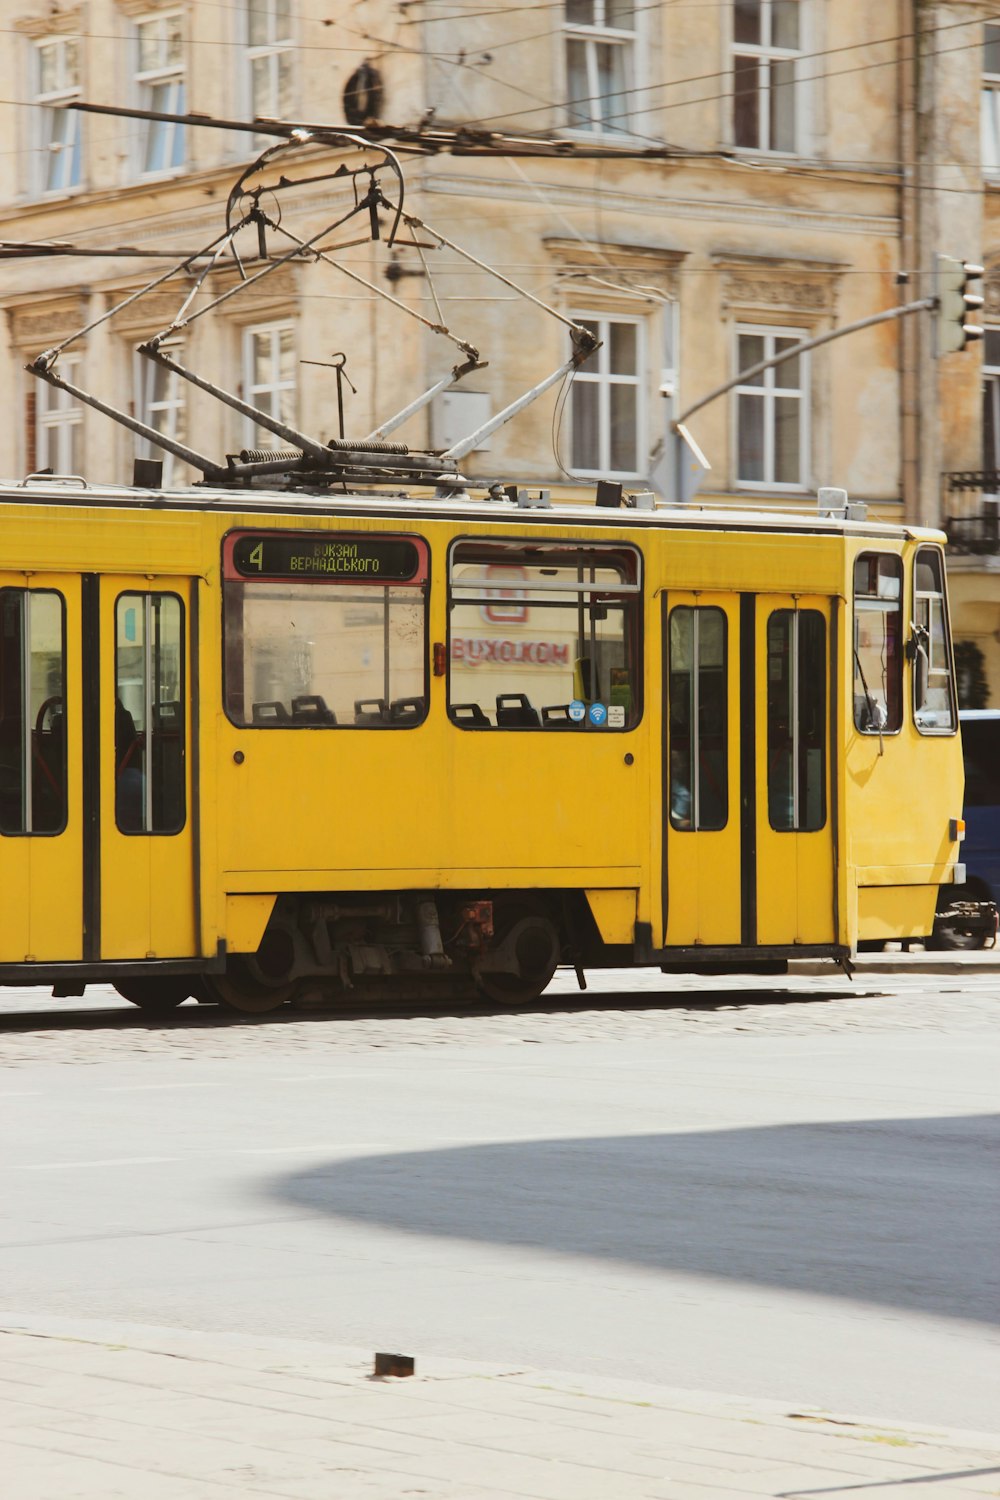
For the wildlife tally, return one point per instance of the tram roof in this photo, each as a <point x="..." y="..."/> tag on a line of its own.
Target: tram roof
<point x="44" y="491"/>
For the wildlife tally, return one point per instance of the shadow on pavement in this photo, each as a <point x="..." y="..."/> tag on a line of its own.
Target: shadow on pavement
<point x="904" y="1212"/>
<point x="118" y="1015"/>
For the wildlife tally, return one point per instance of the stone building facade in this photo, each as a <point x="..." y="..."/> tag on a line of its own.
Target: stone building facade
<point x="774" y="169"/>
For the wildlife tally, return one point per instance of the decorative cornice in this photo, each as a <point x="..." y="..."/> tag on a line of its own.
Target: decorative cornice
<point x="34" y="327"/>
<point x="134" y="8"/>
<point x="591" y="255"/>
<point x="66" y="21"/>
<point x="592" y="262"/>
<point x="829" y="221"/>
<point x="792" y="285"/>
<point x="158" y="310"/>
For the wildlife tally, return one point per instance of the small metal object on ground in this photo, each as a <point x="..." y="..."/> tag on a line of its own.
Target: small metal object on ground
<point x="395" y="1364"/>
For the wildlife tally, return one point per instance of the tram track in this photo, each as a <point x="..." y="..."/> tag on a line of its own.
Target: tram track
<point x="193" y="1018"/>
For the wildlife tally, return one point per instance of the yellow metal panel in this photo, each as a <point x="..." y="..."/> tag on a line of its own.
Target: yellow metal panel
<point x="246" y="918"/>
<point x="614" y="913"/>
<point x="939" y="874"/>
<point x="424" y="877"/>
<point x="18" y="899"/>
<point x="733" y="562"/>
<point x="502" y="806"/>
<point x="85" y="539"/>
<point x="887" y="912"/>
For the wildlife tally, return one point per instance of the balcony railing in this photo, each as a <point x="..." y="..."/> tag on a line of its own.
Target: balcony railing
<point x="971" y="506"/>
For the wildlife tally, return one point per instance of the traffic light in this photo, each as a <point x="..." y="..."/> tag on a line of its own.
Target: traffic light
<point x="956" y="304"/>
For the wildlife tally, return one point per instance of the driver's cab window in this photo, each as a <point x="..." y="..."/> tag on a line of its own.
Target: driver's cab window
<point x="878" y="643"/>
<point x="149" y="713"/>
<point x="933" y="679"/>
<point x="32" y="722"/>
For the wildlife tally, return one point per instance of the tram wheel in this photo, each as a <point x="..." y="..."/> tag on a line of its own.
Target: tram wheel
<point x="239" y="990"/>
<point x="158" y="995"/>
<point x="537" y="947"/>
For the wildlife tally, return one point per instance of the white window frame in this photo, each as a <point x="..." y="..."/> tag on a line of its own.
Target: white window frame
<point x="596" y="371"/>
<point x="766" y="53"/>
<point x="767" y="395"/>
<point x="173" y="406"/>
<point x="59" y="421"/>
<point x="591" y="38"/>
<point x="172" y="74"/>
<point x="254" y="436"/>
<point x="58" y="137"/>
<point x="278" y="51"/>
<point x="990" y="113"/>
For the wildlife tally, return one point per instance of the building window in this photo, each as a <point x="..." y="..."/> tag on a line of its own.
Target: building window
<point x="766" y="46"/>
<point x="991" y="99"/>
<point x="59" y="423"/>
<point x="57" y="83"/>
<point x="991" y="400"/>
<point x="606" y="413"/>
<point x="269" y="58"/>
<point x="269" y="377"/>
<point x="161" y="405"/>
<point x="600" y="63"/>
<point x="160" y="80"/>
<point x="772" y="410"/>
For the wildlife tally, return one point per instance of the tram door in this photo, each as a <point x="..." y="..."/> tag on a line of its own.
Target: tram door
<point x="139" y="744"/>
<point x="795" y="843"/>
<point x="41" y="846"/>
<point x="748" y="823"/>
<point x="702" y="772"/>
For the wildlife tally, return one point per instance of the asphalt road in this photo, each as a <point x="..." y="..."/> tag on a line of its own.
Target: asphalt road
<point x="787" y="1194"/>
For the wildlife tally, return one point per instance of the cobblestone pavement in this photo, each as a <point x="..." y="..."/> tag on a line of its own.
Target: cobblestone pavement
<point x="618" y="1006"/>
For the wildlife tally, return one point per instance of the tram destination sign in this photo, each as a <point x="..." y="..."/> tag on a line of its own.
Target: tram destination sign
<point x="294" y="555"/>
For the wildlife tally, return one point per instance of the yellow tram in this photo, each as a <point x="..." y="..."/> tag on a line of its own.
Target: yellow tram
<point x="265" y="746"/>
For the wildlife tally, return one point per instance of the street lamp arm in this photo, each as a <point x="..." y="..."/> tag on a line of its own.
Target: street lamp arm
<point x="926" y="304"/>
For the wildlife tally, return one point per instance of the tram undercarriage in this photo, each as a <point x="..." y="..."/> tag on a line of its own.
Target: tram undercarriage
<point x="354" y="948"/>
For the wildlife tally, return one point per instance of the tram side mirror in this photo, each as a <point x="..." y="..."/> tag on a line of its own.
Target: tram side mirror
<point x="918" y="654"/>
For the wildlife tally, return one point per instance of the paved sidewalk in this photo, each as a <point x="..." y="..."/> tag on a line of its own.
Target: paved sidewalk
<point x="112" y="1412"/>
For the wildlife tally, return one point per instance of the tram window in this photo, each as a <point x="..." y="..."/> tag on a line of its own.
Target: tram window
<point x="933" y="690"/>
<point x="796" y="720"/>
<point x="878" y="643"/>
<point x="150" y="794"/>
<point x="699" y="778"/>
<point x="32" y="720"/>
<point x="318" y="640"/>
<point x="544" y="636"/>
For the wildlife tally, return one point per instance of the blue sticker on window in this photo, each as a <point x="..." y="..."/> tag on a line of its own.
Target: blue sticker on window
<point x="598" y="714"/>
<point x="577" y="711"/>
